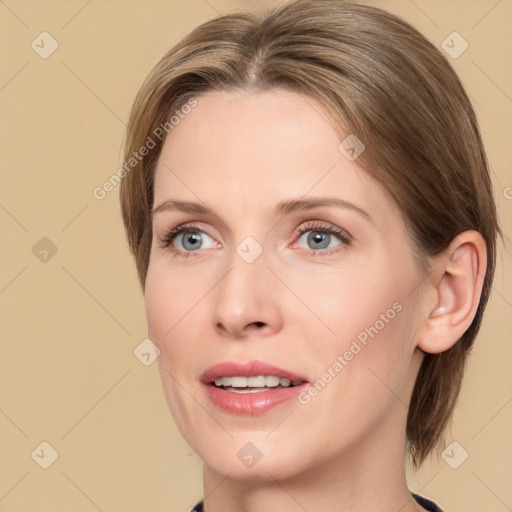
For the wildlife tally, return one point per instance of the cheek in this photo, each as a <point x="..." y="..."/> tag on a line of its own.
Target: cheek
<point x="365" y="314"/>
<point x="348" y="299"/>
<point x="164" y="309"/>
<point x="169" y="300"/>
<point x="159" y="307"/>
<point x="168" y="314"/>
<point x="374" y="338"/>
<point x="176" y="302"/>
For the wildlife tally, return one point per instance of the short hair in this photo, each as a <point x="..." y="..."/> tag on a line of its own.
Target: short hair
<point x="381" y="80"/>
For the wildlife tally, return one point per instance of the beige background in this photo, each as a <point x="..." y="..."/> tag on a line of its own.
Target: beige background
<point x="69" y="376"/>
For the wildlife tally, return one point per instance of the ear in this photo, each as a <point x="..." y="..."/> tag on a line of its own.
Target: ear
<point x="454" y="288"/>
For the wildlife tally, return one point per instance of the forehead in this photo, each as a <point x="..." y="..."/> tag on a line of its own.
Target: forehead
<point x="255" y="148"/>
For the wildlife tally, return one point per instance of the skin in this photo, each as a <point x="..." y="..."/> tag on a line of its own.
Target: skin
<point x="295" y="306"/>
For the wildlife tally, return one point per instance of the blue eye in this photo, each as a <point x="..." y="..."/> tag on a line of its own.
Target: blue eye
<point x="322" y="238"/>
<point x="191" y="238"/>
<point x="319" y="239"/>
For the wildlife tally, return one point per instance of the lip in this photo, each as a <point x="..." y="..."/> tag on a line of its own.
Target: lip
<point x="250" y="404"/>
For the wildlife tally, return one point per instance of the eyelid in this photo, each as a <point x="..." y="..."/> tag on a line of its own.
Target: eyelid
<point x="192" y="225"/>
<point x="320" y="225"/>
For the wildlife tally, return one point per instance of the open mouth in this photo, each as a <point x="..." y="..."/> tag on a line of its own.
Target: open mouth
<point x="250" y="387"/>
<point x="255" y="384"/>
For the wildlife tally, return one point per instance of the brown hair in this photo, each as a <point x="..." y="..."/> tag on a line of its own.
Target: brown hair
<point x="381" y="80"/>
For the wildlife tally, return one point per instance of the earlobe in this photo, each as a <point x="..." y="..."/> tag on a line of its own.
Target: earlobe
<point x="456" y="284"/>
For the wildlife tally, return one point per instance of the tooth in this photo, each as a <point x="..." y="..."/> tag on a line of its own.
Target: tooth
<point x="257" y="382"/>
<point x="271" y="381"/>
<point x="247" y="390"/>
<point x="238" y="382"/>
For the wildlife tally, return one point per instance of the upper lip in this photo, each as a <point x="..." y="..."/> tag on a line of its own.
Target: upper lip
<point x="247" y="369"/>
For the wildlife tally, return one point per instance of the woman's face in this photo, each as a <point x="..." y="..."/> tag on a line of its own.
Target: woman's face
<point x="323" y="293"/>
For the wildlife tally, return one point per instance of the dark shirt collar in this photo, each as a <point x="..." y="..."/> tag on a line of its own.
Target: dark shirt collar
<point x="424" y="502"/>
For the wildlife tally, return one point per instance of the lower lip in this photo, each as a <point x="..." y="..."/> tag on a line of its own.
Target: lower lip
<point x="251" y="404"/>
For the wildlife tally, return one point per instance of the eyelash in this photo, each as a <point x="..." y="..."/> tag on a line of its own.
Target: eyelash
<point x="167" y="241"/>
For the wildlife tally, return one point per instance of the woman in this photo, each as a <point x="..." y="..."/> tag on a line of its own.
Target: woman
<point x="314" y="230"/>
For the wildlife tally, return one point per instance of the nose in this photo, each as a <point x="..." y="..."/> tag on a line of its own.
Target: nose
<point x="247" y="300"/>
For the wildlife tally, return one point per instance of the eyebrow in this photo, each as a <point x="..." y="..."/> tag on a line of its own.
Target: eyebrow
<point x="282" y="208"/>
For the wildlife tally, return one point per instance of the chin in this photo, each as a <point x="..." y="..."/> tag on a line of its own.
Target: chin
<point x="249" y="463"/>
